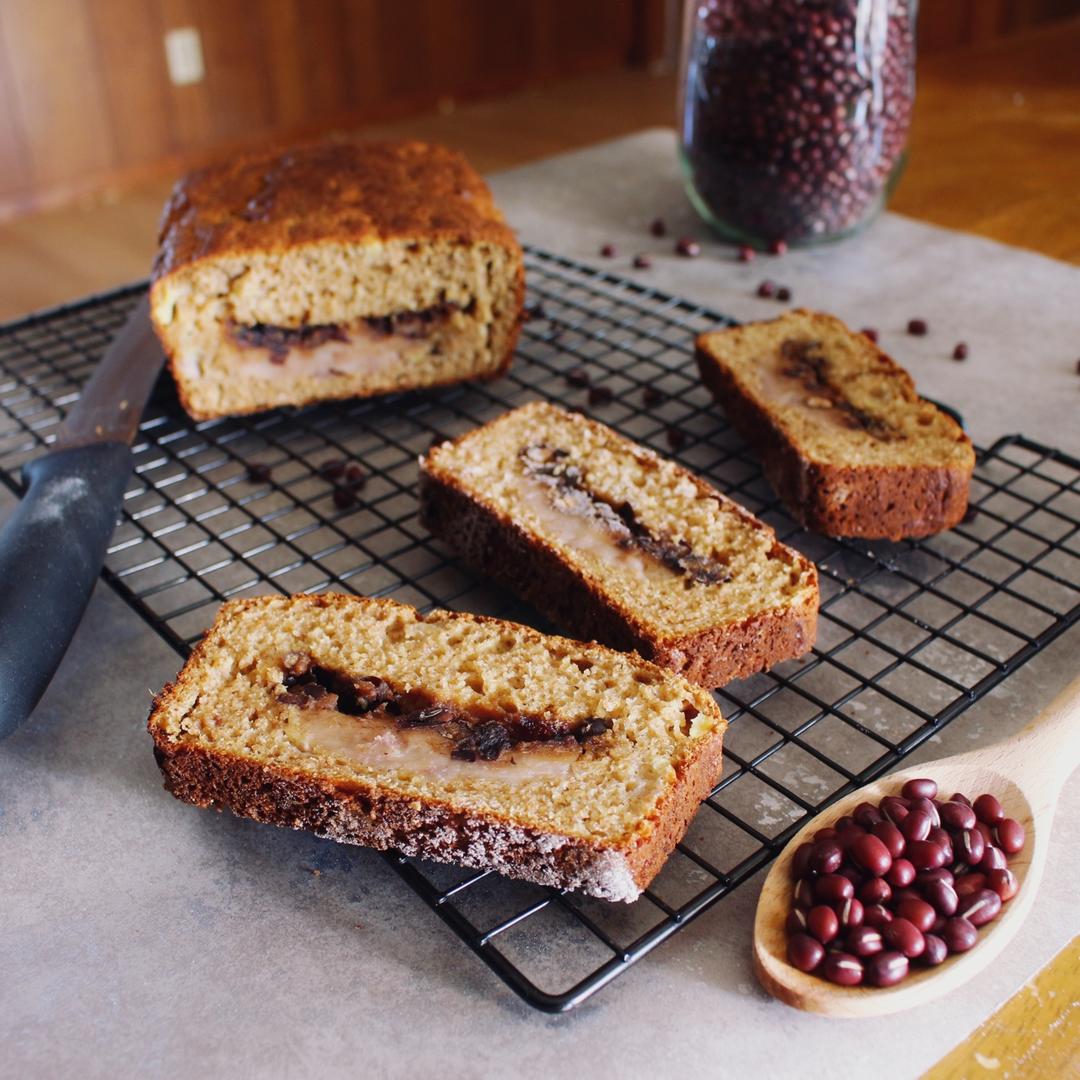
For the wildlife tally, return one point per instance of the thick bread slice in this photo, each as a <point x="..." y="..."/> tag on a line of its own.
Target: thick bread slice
<point x="844" y="439"/>
<point x="615" y="543"/>
<point x="446" y="736"/>
<point x="339" y="269"/>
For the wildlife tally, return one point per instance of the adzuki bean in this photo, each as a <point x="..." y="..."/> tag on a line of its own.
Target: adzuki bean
<point x="913" y="878"/>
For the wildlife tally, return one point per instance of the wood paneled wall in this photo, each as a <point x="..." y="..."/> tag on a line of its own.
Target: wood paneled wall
<point x="85" y="97"/>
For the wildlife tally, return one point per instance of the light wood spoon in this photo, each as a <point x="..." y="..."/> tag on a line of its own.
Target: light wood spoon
<point x="1025" y="772"/>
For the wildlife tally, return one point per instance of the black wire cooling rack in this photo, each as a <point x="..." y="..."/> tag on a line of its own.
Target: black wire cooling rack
<point x="910" y="634"/>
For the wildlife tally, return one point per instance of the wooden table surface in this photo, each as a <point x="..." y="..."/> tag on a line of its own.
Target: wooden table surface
<point x="995" y="150"/>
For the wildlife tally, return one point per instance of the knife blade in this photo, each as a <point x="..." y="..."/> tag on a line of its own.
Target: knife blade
<point x="53" y="546"/>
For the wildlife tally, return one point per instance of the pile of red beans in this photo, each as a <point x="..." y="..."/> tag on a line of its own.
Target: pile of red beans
<point x="910" y="880"/>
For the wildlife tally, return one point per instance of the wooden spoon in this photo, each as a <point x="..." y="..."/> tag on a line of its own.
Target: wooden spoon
<point x="1025" y="772"/>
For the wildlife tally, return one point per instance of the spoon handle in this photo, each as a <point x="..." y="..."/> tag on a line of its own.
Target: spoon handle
<point x="1048" y="749"/>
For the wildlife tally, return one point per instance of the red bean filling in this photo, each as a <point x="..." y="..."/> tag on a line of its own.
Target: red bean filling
<point x="553" y="468"/>
<point x="804" y="360"/>
<point x="910" y="880"/>
<point x="477" y="733"/>
<point x="279" y="340"/>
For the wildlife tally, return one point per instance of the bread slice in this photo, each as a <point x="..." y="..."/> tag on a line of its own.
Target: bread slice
<point x="613" y="542"/>
<point x="844" y="439"/>
<point x="340" y="269"/>
<point x="452" y="737"/>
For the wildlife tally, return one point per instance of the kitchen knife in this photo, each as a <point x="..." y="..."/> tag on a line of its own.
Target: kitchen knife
<point x="53" y="546"/>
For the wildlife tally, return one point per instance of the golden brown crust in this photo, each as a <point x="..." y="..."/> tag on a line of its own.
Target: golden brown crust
<point x="371" y="815"/>
<point x="492" y="542"/>
<point x="386" y="820"/>
<point x="872" y="501"/>
<point x="328" y="191"/>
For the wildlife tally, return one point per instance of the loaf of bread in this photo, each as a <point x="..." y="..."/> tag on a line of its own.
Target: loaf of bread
<point x="613" y="542"/>
<point x="446" y="736"/>
<point x="340" y="269"/>
<point x="844" y="439"/>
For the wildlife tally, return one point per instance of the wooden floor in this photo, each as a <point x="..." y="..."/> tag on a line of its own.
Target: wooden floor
<point x="995" y="149"/>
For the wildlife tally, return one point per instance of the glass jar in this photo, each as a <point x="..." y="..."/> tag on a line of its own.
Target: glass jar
<point x="793" y="114"/>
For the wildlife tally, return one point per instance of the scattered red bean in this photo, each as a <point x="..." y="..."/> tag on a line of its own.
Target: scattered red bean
<point x="332" y="469"/>
<point x="609" y="251"/>
<point x="600" y="395"/>
<point x="355" y="476"/>
<point x="870" y="332"/>
<point x="778" y="247"/>
<point x="658" y="228"/>
<point x="746" y="253"/>
<point x="688" y="247"/>
<point x="535" y="312"/>
<point x="642" y="262"/>
<point x="804" y="952"/>
<point x="767" y="289"/>
<point x="1010" y="836"/>
<point x="783" y="294"/>
<point x="258" y="473"/>
<point x="344" y="498"/>
<point x="651" y="396"/>
<point x="578" y="377"/>
<point x="886" y="969"/>
<point x="960" y="352"/>
<point x="843" y="969"/>
<point x="917" y="327"/>
<point x="676" y="438"/>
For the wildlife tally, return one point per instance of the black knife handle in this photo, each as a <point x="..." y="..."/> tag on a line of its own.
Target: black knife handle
<point x="51" y="552"/>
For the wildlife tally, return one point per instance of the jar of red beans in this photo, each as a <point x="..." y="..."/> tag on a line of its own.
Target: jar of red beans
<point x="793" y="114"/>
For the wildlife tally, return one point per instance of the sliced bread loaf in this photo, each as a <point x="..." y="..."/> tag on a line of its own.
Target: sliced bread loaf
<point x="844" y="439"/>
<point x="339" y="269"/>
<point x="447" y="736"/>
<point x="613" y="542"/>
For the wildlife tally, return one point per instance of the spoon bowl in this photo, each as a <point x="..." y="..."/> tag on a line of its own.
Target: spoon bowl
<point x="1025" y="772"/>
